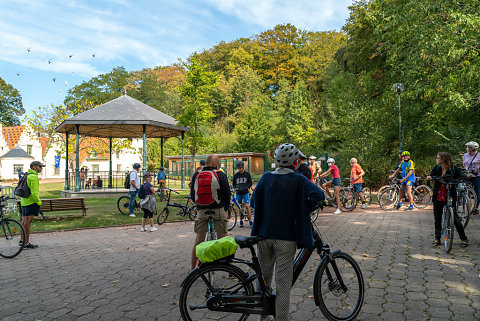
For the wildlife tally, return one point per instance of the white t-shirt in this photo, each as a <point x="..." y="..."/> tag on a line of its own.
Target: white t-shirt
<point x="134" y="177"/>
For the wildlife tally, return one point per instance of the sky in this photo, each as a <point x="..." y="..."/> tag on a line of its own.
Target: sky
<point x="48" y="46"/>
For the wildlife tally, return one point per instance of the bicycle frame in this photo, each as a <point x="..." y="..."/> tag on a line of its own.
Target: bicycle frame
<point x="184" y="208"/>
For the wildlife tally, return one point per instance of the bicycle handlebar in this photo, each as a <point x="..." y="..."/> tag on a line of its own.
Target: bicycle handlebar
<point x="442" y="180"/>
<point x="172" y="190"/>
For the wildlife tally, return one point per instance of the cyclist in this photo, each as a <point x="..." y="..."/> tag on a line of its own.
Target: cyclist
<point x="303" y="168"/>
<point x="472" y="164"/>
<point x="242" y="181"/>
<point x="283" y="201"/>
<point x="446" y="169"/>
<point x="211" y="192"/>
<point x="161" y="178"/>
<point x="134" y="184"/>
<point x="336" y="182"/>
<point x="407" y="168"/>
<point x="148" y="204"/>
<point x="356" y="177"/>
<point x="315" y="167"/>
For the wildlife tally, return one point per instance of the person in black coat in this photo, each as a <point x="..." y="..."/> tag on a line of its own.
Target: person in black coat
<point x="303" y="168"/>
<point x="448" y="172"/>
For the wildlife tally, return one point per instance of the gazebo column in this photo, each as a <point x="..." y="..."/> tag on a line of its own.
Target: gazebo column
<point x="144" y="149"/>
<point x="77" y="159"/>
<point x="183" y="162"/>
<point x="161" y="151"/>
<point x="110" y="163"/>
<point x="67" y="185"/>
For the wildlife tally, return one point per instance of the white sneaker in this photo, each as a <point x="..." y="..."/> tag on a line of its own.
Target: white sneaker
<point x="142" y="229"/>
<point x="153" y="229"/>
<point x="364" y="206"/>
<point x="337" y="211"/>
<point x="132" y="215"/>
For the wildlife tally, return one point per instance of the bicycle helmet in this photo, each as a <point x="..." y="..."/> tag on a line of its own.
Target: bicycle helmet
<point x="302" y="155"/>
<point x="285" y="155"/>
<point x="405" y="153"/>
<point x="202" y="162"/>
<point x="472" y="145"/>
<point x="400" y="152"/>
<point x="136" y="165"/>
<point x="239" y="164"/>
<point x="161" y="169"/>
<point x="147" y="174"/>
<point x="312" y="157"/>
<point x="330" y="160"/>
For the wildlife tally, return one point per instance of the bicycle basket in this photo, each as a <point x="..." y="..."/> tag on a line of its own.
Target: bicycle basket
<point x="217" y="249"/>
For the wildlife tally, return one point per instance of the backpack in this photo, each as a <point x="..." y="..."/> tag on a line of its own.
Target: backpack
<point x="22" y="188"/>
<point x="126" y="184"/>
<point x="141" y="192"/>
<point x="206" y="188"/>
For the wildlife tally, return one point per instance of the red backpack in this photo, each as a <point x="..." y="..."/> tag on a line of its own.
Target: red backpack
<point x="206" y="188"/>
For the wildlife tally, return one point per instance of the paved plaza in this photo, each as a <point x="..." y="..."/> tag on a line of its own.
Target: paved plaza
<point x="121" y="273"/>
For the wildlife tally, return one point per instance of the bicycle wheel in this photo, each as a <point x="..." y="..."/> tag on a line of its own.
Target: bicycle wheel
<point x="388" y="199"/>
<point x="447" y="228"/>
<point x="122" y="205"/>
<point x="472" y="199"/>
<point x="463" y="209"/>
<point x="195" y="292"/>
<point x="314" y="215"/>
<point x="231" y="217"/>
<point x="162" y="217"/>
<point x="192" y="212"/>
<point x="381" y="190"/>
<point x="348" y="201"/>
<point x="422" y="196"/>
<point x="339" y="296"/>
<point x="11" y="235"/>
<point x="368" y="195"/>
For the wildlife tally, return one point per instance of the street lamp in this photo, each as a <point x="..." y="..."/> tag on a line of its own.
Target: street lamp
<point x="398" y="89"/>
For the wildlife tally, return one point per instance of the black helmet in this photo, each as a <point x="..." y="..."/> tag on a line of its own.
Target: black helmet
<point x="161" y="168"/>
<point x="202" y="162"/>
<point x="240" y="164"/>
<point x="136" y="165"/>
<point x="302" y="156"/>
<point x="147" y="174"/>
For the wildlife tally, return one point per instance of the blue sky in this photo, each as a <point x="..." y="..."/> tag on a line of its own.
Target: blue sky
<point x="134" y="34"/>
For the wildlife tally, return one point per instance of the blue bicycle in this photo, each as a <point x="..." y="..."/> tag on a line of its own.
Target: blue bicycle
<point x="236" y="212"/>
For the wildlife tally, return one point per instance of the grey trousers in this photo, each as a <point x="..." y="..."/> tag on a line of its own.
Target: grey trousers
<point x="279" y="255"/>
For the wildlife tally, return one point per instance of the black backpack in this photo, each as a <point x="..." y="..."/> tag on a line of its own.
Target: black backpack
<point x="141" y="192"/>
<point x="22" y="189"/>
<point x="126" y="184"/>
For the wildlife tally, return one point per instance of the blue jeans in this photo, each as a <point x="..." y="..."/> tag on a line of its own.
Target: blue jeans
<point x="476" y="187"/>
<point x="133" y="196"/>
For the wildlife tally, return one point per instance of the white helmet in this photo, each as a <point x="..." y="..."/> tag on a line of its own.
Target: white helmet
<point x="472" y="145"/>
<point x="330" y="160"/>
<point x="286" y="154"/>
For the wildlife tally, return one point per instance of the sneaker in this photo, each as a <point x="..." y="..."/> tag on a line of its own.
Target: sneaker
<point x="410" y="208"/>
<point x="241" y="223"/>
<point x="30" y="246"/>
<point x="364" y="206"/>
<point x="399" y="205"/>
<point x="153" y="229"/>
<point x="475" y="211"/>
<point x="337" y="211"/>
<point x="142" y="229"/>
<point x="251" y="223"/>
<point x="132" y="215"/>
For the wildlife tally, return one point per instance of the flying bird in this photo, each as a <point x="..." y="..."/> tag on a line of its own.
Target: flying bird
<point x="49" y="61"/>
<point x="18" y="74"/>
<point x="28" y="49"/>
<point x="70" y="56"/>
<point x="54" y="79"/>
<point x="66" y="83"/>
<point x="60" y="92"/>
<point x="93" y="55"/>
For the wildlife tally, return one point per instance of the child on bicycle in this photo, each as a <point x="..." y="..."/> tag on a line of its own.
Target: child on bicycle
<point x="283" y="201"/>
<point x="242" y="181"/>
<point x="148" y="204"/>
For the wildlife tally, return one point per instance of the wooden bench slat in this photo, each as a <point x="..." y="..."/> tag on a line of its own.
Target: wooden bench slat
<point x="62" y="204"/>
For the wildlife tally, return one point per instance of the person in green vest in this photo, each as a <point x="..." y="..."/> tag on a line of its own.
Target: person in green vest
<point x="31" y="204"/>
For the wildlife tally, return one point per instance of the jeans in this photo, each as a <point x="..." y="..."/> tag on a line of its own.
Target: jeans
<point x="476" y="187"/>
<point x="133" y="197"/>
<point x="437" y="218"/>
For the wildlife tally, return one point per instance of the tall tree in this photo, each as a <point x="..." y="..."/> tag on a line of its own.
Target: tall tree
<point x="11" y="106"/>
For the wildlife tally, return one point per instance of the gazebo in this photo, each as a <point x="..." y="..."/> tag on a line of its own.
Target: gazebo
<point x="123" y="117"/>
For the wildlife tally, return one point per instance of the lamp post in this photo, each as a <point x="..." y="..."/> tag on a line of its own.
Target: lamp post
<point x="398" y="89"/>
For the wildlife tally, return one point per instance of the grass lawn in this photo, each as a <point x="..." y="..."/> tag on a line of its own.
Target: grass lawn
<point x="101" y="212"/>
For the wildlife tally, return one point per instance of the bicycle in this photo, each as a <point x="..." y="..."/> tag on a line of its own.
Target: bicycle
<point x="184" y="210"/>
<point x="12" y="233"/>
<point x="448" y="217"/>
<point x="390" y="197"/>
<point x="235" y="207"/>
<point x="331" y="201"/>
<point x="351" y="197"/>
<point x="123" y="205"/>
<point x="232" y="290"/>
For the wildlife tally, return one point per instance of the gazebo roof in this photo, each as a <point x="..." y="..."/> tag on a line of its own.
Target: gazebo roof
<point x="123" y="117"/>
<point x="16" y="152"/>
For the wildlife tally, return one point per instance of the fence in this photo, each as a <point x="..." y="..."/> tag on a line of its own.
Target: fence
<point x="8" y="191"/>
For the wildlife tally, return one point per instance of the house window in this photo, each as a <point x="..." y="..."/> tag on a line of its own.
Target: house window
<point x="29" y="149"/>
<point x="56" y="170"/>
<point x="140" y="151"/>
<point x="93" y="155"/>
<point x="95" y="168"/>
<point x="119" y="167"/>
<point x="17" y="168"/>
<point x="118" y="154"/>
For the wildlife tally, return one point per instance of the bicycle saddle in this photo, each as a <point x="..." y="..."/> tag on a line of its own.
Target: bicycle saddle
<point x="247" y="241"/>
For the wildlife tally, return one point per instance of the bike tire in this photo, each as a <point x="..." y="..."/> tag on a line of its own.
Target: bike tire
<point x="422" y="196"/>
<point x="11" y="233"/>
<point x="195" y="292"/>
<point x="348" y="201"/>
<point x="192" y="213"/>
<point x="231" y="217"/>
<point x="448" y="228"/>
<point x="122" y="205"/>
<point x="162" y="216"/>
<point x="381" y="190"/>
<point x="472" y="198"/>
<point x="463" y="209"/>
<point x="368" y="195"/>
<point x="314" y="215"/>
<point x="388" y="199"/>
<point x="328" y="291"/>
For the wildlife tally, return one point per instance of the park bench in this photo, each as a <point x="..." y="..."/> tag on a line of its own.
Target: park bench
<point x="62" y="204"/>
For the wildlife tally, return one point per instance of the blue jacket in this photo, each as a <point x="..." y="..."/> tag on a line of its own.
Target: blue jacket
<point x="283" y="201"/>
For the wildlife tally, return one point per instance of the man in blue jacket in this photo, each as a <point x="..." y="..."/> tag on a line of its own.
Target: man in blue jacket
<point x="283" y="201"/>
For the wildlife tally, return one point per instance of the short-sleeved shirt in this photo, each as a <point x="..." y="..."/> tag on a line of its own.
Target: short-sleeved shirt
<point x="335" y="172"/>
<point x="406" y="167"/>
<point x="134" y="177"/>
<point x="147" y="188"/>
<point x="356" y="170"/>
<point x="161" y="175"/>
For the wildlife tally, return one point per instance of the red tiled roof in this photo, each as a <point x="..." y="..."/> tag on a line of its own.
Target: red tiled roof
<point x="44" y="143"/>
<point x="12" y="135"/>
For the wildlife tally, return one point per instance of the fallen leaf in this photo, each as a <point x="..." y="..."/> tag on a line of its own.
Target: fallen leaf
<point x="166" y="285"/>
<point x="366" y="255"/>
<point x="310" y="287"/>
<point x="116" y="281"/>
<point x="67" y="287"/>
<point x="310" y="296"/>
<point x="175" y="303"/>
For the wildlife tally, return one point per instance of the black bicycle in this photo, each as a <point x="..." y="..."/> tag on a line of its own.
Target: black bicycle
<point x="189" y="209"/>
<point x="123" y="205"/>
<point x="213" y="291"/>
<point x="12" y="232"/>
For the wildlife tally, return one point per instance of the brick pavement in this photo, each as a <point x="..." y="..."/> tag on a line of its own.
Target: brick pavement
<point x="122" y="274"/>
